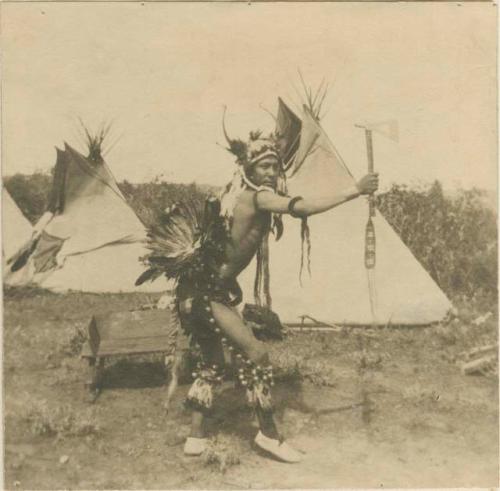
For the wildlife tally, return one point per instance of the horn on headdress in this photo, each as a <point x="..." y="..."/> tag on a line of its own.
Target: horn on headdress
<point x="224" y="127"/>
<point x="236" y="147"/>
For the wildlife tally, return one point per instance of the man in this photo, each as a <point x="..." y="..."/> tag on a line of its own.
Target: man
<point x="208" y="293"/>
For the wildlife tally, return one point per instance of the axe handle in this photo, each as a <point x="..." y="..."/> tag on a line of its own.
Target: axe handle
<point x="369" y="149"/>
<point x="371" y="166"/>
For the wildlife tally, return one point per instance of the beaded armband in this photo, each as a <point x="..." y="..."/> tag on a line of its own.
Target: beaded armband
<point x="291" y="206"/>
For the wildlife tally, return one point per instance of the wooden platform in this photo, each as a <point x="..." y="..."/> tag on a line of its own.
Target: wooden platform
<point x="126" y="333"/>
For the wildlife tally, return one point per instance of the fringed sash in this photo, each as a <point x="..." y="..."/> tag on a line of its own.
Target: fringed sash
<point x="305" y="236"/>
<point x="262" y="284"/>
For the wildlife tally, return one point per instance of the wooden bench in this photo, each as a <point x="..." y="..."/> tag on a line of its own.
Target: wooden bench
<point x="138" y="332"/>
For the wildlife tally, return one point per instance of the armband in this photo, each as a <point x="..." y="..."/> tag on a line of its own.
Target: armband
<point x="291" y="206"/>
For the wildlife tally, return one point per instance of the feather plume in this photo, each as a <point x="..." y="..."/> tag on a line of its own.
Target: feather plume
<point x="188" y="240"/>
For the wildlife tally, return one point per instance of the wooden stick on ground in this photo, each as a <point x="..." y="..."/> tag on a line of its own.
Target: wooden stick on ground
<point x="479" y="351"/>
<point x="478" y="365"/>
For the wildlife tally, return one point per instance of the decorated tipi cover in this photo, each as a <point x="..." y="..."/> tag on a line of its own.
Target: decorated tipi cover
<point x="337" y="290"/>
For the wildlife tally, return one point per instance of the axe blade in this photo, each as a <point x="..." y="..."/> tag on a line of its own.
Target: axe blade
<point x="388" y="128"/>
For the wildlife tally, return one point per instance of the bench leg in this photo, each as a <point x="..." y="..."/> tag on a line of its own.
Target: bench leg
<point x="94" y="378"/>
<point x="172" y="365"/>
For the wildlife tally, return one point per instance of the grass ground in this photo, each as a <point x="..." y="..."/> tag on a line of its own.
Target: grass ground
<point x="385" y="408"/>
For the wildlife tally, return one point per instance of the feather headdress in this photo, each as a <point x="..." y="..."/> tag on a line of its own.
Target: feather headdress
<point x="257" y="148"/>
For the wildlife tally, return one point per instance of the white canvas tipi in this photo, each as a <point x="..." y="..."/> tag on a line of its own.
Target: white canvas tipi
<point x="16" y="229"/>
<point x="89" y="239"/>
<point x="337" y="291"/>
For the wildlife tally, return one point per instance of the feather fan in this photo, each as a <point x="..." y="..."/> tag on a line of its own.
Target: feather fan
<point x="187" y="241"/>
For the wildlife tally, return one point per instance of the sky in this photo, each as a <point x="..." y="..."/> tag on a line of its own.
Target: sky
<point x="162" y="72"/>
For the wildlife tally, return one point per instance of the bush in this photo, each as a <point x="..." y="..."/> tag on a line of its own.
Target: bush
<point x="454" y="238"/>
<point x="30" y="192"/>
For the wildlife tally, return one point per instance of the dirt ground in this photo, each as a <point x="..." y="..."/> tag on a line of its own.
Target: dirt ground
<point x="409" y="418"/>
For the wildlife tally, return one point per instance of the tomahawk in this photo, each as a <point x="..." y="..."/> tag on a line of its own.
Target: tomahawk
<point x="390" y="130"/>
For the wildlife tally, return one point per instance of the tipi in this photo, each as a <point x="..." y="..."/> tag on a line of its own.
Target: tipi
<point x="89" y="239"/>
<point x="337" y="291"/>
<point x="16" y="229"/>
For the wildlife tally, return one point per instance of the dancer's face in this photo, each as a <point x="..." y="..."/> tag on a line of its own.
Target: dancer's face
<point x="265" y="172"/>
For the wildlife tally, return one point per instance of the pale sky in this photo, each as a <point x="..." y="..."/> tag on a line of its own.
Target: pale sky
<point x="163" y="72"/>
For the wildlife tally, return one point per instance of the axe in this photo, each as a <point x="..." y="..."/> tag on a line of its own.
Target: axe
<point x="390" y="130"/>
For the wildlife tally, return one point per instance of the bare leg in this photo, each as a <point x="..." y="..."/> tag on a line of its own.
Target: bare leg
<point x="233" y="327"/>
<point x="238" y="333"/>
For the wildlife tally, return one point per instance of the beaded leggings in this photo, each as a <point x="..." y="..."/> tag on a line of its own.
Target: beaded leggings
<point x="197" y="320"/>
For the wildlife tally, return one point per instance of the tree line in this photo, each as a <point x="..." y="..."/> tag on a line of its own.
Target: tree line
<point x="453" y="237"/>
